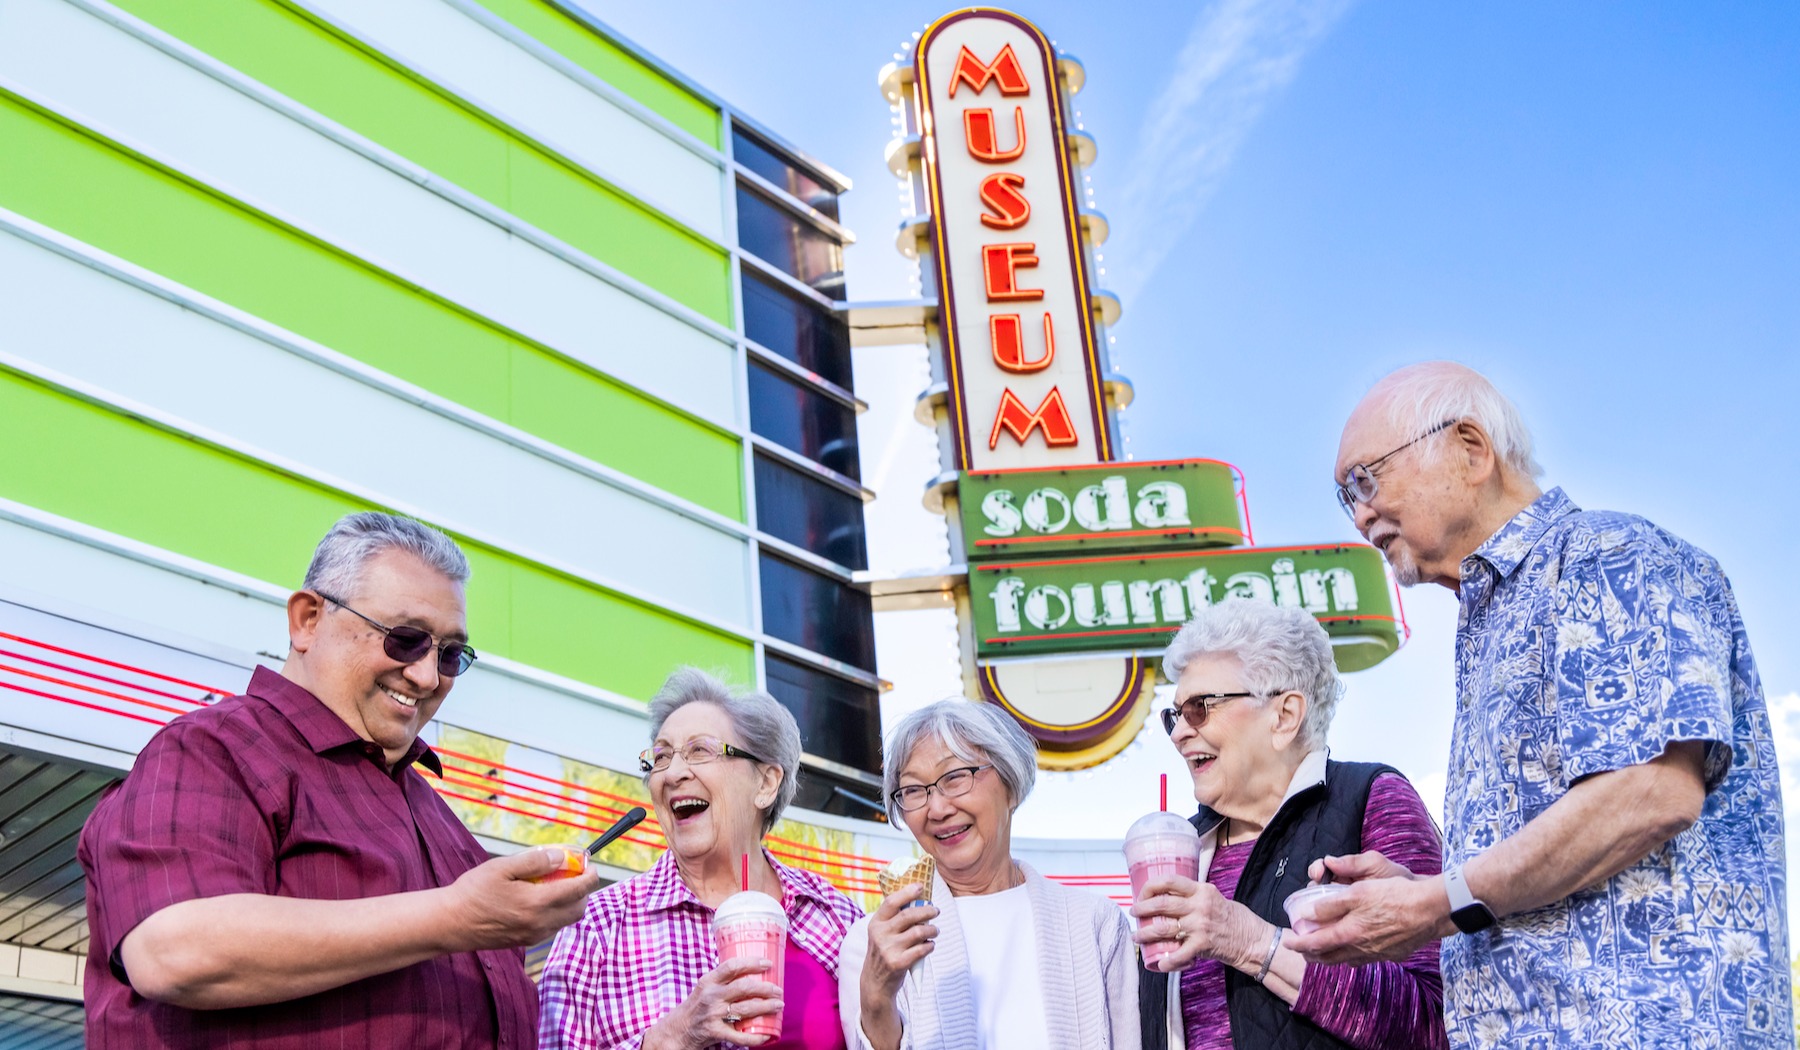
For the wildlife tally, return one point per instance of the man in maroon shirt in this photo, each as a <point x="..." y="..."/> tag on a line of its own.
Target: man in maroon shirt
<point x="275" y="872"/>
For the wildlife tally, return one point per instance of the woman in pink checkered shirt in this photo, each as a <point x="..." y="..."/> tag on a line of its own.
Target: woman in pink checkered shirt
<point x="641" y="969"/>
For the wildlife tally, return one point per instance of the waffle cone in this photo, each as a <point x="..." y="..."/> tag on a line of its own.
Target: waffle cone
<point x="905" y="872"/>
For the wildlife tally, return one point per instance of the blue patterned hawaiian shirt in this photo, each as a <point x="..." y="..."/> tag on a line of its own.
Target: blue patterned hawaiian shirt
<point x="1588" y="641"/>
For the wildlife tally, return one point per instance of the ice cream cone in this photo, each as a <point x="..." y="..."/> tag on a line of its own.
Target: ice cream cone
<point x="904" y="871"/>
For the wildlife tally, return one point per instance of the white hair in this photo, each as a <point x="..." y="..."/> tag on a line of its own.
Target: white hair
<point x="337" y="563"/>
<point x="1420" y="397"/>
<point x="768" y="729"/>
<point x="1281" y="647"/>
<point x="974" y="732"/>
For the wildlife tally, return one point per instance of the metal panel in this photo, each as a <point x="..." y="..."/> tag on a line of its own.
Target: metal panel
<point x="43" y="803"/>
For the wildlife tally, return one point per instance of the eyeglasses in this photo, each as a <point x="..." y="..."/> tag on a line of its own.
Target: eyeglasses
<point x="954" y="784"/>
<point x="1359" y="484"/>
<point x="1196" y="708"/>
<point x="696" y="752"/>
<point x="408" y="644"/>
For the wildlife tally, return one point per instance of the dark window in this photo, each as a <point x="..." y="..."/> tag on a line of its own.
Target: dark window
<point x="839" y="720"/>
<point x="803" y="332"/>
<point x="810" y="513"/>
<point x="765" y="161"/>
<point x="789" y="243"/>
<point x="816" y="612"/>
<point x="796" y="416"/>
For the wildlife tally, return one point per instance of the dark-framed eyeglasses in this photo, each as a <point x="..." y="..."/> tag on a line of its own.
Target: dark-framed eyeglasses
<point x="1195" y="709"/>
<point x="696" y="752"/>
<point x="1360" y="484"/>
<point x="407" y="644"/>
<point x="953" y="784"/>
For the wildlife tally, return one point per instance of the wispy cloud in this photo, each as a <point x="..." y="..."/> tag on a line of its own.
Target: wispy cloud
<point x="1239" y="55"/>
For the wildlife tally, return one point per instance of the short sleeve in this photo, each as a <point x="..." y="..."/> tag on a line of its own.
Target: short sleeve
<point x="185" y="824"/>
<point x="1641" y="661"/>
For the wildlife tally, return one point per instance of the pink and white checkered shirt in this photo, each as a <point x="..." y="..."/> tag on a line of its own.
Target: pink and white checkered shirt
<point x="645" y="943"/>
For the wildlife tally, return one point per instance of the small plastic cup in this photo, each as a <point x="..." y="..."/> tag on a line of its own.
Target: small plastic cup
<point x="1160" y="844"/>
<point x="1302" y="904"/>
<point x="751" y="925"/>
<point x="574" y="862"/>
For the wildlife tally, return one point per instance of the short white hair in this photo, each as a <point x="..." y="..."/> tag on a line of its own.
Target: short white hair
<point x="1281" y="647"/>
<point x="768" y="729"/>
<point x="973" y="731"/>
<point x="337" y="563"/>
<point x="1426" y="395"/>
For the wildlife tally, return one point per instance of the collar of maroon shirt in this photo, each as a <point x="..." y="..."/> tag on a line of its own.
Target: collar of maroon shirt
<point x="321" y="727"/>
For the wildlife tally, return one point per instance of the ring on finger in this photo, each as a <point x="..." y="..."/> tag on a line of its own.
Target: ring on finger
<point x="1180" y="934"/>
<point x="732" y="1017"/>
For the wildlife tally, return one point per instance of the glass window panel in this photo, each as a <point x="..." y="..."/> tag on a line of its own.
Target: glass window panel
<point x="839" y="720"/>
<point x="754" y="154"/>
<point x="795" y="415"/>
<point x="803" y="332"/>
<point x="816" y="612"/>
<point x="789" y="243"/>
<point x="810" y="513"/>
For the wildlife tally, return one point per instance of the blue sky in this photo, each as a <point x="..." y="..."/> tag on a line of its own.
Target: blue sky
<point x="1597" y="205"/>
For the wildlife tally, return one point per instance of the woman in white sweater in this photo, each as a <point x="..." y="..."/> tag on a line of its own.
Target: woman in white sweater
<point x="1001" y="957"/>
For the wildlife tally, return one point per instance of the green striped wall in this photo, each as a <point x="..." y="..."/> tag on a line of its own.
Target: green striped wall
<point x="89" y="463"/>
<point x="310" y="62"/>
<point x="612" y="64"/>
<point x="93" y="190"/>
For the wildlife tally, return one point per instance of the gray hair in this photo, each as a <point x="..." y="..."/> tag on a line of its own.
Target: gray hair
<point x="1422" y="396"/>
<point x="974" y="732"/>
<point x="337" y="562"/>
<point x="1281" y="647"/>
<point x="767" y="729"/>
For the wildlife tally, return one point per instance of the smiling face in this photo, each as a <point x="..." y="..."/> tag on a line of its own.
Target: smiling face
<point x="715" y="807"/>
<point x="969" y="836"/>
<point x="1243" y="757"/>
<point x="339" y="658"/>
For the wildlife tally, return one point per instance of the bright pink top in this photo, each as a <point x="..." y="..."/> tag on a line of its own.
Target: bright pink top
<point x="809" y="1013"/>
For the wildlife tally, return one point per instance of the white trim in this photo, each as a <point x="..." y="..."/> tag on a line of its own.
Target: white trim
<point x="68" y="993"/>
<point x="207" y="436"/>
<point x="106" y="758"/>
<point x="300" y="346"/>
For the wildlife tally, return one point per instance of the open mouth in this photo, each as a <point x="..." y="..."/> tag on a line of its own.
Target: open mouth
<point x="686" y="809"/>
<point x="1200" y="760"/>
<point x="952" y="836"/>
<point x="403" y="701"/>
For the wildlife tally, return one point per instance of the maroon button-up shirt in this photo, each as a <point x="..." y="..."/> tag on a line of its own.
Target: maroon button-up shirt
<point x="272" y="793"/>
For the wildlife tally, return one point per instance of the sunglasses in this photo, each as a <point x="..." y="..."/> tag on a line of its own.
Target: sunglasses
<point x="408" y="644"/>
<point x="1195" y="708"/>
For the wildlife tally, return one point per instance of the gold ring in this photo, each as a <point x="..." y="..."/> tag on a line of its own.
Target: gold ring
<point x="1180" y="934"/>
<point x="731" y="1018"/>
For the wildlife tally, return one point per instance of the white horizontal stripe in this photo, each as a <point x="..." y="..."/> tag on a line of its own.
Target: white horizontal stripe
<point x="95" y="73"/>
<point x="111" y="589"/>
<point x="74" y="321"/>
<point x="516" y="88"/>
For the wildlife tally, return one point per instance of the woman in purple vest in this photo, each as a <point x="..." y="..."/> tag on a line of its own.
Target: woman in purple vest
<point x="1255" y="689"/>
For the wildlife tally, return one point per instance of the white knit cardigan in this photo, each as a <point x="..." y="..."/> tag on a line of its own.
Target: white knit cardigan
<point x="1085" y="961"/>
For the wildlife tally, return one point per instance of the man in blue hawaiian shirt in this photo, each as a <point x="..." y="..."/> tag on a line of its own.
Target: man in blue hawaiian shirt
<point x="1614" y="857"/>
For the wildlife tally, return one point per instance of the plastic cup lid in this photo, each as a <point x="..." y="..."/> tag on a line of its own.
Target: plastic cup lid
<point x="1162" y="824"/>
<point x="1310" y="895"/>
<point x="750" y="904"/>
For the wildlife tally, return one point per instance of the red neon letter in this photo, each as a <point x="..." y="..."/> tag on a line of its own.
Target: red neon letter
<point x="1004" y="195"/>
<point x="1004" y="68"/>
<point x="1052" y="415"/>
<point x="1001" y="263"/>
<point x="1007" y="334"/>
<point x="979" y="133"/>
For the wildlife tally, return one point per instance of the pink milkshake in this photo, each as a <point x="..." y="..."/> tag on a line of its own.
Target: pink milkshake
<point x="751" y="925"/>
<point x="1160" y="844"/>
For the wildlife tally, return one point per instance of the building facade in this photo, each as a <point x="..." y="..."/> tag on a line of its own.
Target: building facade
<point x="267" y="262"/>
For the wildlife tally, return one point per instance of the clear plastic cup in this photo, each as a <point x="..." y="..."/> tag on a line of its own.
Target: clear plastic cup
<point x="1160" y="844"/>
<point x="751" y="925"/>
<point x="1301" y="905"/>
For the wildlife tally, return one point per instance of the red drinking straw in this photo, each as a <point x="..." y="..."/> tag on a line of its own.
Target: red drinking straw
<point x="1165" y="792"/>
<point x="746" y="872"/>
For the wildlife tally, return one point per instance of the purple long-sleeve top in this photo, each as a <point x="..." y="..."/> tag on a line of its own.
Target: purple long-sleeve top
<point x="1373" y="1007"/>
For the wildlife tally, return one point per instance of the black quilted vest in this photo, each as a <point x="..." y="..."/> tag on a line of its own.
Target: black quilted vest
<point x="1319" y="820"/>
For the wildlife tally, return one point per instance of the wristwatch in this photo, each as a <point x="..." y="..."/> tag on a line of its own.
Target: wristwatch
<point x="1469" y="914"/>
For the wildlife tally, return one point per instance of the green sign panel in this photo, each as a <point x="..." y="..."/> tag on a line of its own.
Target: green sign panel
<point x="1064" y="605"/>
<point x="1186" y="503"/>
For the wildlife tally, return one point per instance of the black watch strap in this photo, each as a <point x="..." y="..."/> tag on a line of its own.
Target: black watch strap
<point x="1469" y="914"/>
